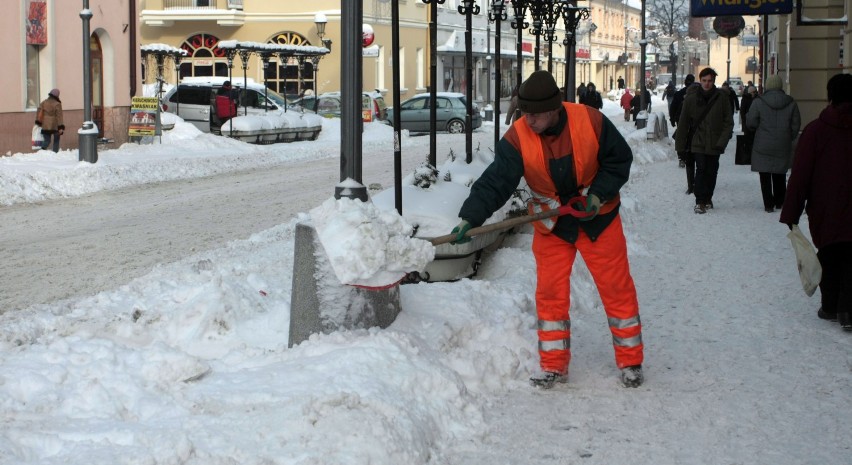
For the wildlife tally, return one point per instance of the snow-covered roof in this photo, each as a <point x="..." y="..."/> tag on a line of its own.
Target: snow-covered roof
<point x="154" y="48"/>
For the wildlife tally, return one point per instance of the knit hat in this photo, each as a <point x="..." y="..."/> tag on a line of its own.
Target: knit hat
<point x="54" y="92"/>
<point x="773" y="82"/>
<point x="539" y="93"/>
<point x="689" y="79"/>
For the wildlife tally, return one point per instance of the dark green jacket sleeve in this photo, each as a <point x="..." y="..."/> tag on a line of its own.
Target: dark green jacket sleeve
<point x="614" y="158"/>
<point x="496" y="184"/>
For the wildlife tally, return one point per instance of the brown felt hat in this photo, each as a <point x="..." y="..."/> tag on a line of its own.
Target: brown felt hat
<point x="539" y="93"/>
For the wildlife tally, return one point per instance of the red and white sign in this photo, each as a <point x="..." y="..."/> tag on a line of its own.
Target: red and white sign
<point x="367" y="35"/>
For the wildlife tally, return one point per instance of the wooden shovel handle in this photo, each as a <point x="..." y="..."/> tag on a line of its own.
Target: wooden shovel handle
<point x="567" y="209"/>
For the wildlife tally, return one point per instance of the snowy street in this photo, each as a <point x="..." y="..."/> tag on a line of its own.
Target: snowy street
<point x="178" y="355"/>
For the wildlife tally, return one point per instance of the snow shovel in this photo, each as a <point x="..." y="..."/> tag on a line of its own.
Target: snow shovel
<point x="571" y="208"/>
<point x="385" y="278"/>
<point x="575" y="207"/>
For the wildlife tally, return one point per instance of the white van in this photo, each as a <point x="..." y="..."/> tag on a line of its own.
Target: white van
<point x="194" y="100"/>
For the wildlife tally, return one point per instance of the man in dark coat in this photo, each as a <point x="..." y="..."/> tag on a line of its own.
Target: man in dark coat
<point x="821" y="185"/>
<point x="674" y="115"/>
<point x="636" y="103"/>
<point x="593" y="97"/>
<point x="581" y="92"/>
<point x="705" y="134"/>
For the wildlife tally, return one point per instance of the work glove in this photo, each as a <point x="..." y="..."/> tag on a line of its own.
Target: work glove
<point x="459" y="232"/>
<point x="593" y="206"/>
<point x="37" y="123"/>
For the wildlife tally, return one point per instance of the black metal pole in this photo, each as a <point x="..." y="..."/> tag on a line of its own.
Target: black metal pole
<point x="519" y="24"/>
<point x="498" y="79"/>
<point x="351" y="123"/>
<point x="468" y="8"/>
<point x="643" y="44"/>
<point x="433" y="79"/>
<point x="397" y="122"/>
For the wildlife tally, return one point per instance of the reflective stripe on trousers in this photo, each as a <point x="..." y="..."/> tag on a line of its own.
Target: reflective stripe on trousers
<point x="554" y="335"/>
<point x="607" y="262"/>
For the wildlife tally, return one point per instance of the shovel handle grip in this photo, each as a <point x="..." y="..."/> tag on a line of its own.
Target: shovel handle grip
<point x="567" y="209"/>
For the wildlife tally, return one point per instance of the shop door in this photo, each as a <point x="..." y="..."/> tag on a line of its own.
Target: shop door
<point x="97" y="89"/>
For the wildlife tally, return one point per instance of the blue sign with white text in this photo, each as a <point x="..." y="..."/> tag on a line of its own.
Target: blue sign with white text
<point x="705" y="8"/>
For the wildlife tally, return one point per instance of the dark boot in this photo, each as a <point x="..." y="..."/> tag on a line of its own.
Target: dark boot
<point x="845" y="321"/>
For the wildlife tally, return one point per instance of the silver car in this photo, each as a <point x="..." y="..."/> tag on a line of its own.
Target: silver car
<point x="451" y="110"/>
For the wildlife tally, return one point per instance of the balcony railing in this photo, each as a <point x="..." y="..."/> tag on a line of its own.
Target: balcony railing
<point x="202" y="4"/>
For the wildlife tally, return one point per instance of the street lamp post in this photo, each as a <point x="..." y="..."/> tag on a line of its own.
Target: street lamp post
<point x="537" y="9"/>
<point x="519" y="24"/>
<point x="643" y="44"/>
<point x="551" y="17"/>
<point x="572" y="15"/>
<point x="592" y="28"/>
<point x="88" y="150"/>
<point x="497" y="14"/>
<point x="468" y="8"/>
<point x="433" y="77"/>
<point x="320" y="21"/>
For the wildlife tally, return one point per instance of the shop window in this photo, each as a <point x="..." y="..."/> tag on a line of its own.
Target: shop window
<point x="33" y="97"/>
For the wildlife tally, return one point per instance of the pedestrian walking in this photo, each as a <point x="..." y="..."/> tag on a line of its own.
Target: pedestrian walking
<point x="593" y="97"/>
<point x="732" y="96"/>
<point x="620" y="82"/>
<point x="706" y="125"/>
<point x="49" y="117"/>
<point x="581" y="92"/>
<point x="565" y="150"/>
<point x="821" y="185"/>
<point x="626" y="101"/>
<point x="685" y="160"/>
<point x="774" y="118"/>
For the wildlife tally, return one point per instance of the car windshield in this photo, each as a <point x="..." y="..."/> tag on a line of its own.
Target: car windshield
<point x="277" y="98"/>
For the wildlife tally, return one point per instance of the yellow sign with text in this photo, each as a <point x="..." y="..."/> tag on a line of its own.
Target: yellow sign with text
<point x="143" y="116"/>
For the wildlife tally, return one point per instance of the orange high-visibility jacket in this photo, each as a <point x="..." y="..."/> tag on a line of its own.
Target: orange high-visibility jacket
<point x="554" y="169"/>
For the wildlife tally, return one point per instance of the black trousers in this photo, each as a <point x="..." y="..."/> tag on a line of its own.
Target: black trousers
<point x="836" y="283"/>
<point x="706" y="170"/>
<point x="773" y="187"/>
<point x="689" y="161"/>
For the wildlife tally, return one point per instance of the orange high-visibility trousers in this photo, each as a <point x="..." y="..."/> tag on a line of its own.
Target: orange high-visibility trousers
<point x="607" y="262"/>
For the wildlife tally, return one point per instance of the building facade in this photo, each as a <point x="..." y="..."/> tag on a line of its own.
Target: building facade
<point x="44" y="38"/>
<point x="198" y="26"/>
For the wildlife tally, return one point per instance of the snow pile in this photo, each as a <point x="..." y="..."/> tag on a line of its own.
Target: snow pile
<point x="368" y="246"/>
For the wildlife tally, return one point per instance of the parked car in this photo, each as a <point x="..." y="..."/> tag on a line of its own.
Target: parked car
<point x="451" y="110"/>
<point x="736" y="84"/>
<point x="373" y="107"/>
<point x="194" y="101"/>
<point x="194" y="98"/>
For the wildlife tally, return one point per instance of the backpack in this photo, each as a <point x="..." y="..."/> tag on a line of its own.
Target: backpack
<point x="225" y="107"/>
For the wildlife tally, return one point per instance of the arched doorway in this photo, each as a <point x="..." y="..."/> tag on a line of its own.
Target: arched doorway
<point x="97" y="84"/>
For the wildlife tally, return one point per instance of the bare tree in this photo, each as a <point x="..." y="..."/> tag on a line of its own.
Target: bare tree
<point x="669" y="15"/>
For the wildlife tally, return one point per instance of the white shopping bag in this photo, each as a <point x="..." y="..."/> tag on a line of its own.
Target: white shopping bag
<point x="38" y="138"/>
<point x="810" y="271"/>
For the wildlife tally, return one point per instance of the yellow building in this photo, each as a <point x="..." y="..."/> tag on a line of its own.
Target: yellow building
<point x="198" y="25"/>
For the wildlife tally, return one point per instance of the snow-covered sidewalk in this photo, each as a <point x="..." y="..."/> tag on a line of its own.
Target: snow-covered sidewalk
<point x="189" y="364"/>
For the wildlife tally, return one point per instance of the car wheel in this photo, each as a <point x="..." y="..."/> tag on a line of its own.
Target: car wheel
<point x="455" y="126"/>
